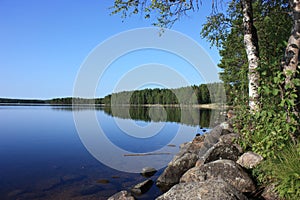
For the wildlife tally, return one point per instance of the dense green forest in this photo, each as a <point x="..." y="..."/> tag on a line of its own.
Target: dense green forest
<point x="22" y="101"/>
<point x="185" y="95"/>
<point x="202" y="94"/>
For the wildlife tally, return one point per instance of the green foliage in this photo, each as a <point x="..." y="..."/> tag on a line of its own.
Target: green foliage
<point x="273" y="24"/>
<point x="165" y="12"/>
<point x="275" y="124"/>
<point x="283" y="171"/>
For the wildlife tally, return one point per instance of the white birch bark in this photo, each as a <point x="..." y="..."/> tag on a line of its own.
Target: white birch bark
<point x="251" y="45"/>
<point x="290" y="62"/>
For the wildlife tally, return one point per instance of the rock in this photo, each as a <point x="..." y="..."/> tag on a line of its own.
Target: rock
<point x="209" y="190"/>
<point x="70" y="178"/>
<point x="176" y="168"/>
<point x="50" y="183"/>
<point x="269" y="193"/>
<point x="229" y="138"/>
<point x="184" y="145"/>
<point x="148" y="171"/>
<point x="227" y="170"/>
<point x="103" y="181"/>
<point x="183" y="161"/>
<point x="226" y="128"/>
<point x="213" y="136"/>
<point x="16" y="192"/>
<point x="230" y="114"/>
<point x="171" y="145"/>
<point x="250" y="160"/>
<point x="122" y="195"/>
<point x="32" y="195"/>
<point x="199" y="138"/>
<point x="220" y="150"/>
<point x="142" y="188"/>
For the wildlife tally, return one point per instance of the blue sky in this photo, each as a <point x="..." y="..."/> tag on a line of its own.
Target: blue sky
<point x="44" y="43"/>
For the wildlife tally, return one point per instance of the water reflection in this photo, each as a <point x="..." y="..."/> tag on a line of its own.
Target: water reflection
<point x="184" y="115"/>
<point x="43" y="156"/>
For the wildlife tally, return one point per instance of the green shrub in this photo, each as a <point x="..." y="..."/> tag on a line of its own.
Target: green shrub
<point x="284" y="171"/>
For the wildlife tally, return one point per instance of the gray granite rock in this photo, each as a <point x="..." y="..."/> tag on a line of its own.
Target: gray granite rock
<point x="227" y="170"/>
<point x="148" y="171"/>
<point x="142" y="187"/>
<point x="269" y="193"/>
<point x="122" y="195"/>
<point x="183" y="161"/>
<point x="249" y="160"/>
<point x="225" y="148"/>
<point x="209" y="190"/>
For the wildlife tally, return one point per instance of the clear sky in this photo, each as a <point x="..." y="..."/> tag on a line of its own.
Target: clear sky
<point x="44" y="43"/>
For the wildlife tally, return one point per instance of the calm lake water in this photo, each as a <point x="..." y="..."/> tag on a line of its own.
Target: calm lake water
<point x="56" y="152"/>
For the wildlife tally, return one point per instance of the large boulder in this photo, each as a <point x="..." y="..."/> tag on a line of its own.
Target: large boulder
<point x="175" y="170"/>
<point x="183" y="161"/>
<point x="224" y="149"/>
<point x="250" y="160"/>
<point x="227" y="170"/>
<point x="209" y="190"/>
<point x="214" y="135"/>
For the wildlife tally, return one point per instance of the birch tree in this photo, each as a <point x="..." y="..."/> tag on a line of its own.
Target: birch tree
<point x="290" y="62"/>
<point x="252" y="50"/>
<point x="167" y="12"/>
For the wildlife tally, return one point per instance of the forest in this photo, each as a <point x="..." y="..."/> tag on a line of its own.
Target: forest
<point x="184" y="96"/>
<point x="189" y="95"/>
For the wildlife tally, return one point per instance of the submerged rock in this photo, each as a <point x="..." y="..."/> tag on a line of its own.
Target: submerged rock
<point x="16" y="192"/>
<point x="171" y="145"/>
<point x="250" y="160"/>
<point x="142" y="188"/>
<point x="70" y="178"/>
<point x="209" y="190"/>
<point x="50" y="183"/>
<point x="90" y="189"/>
<point x="122" y="195"/>
<point x="103" y="181"/>
<point x="227" y="170"/>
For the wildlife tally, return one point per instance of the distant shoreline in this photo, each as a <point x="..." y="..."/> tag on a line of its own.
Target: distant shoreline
<point x="204" y="106"/>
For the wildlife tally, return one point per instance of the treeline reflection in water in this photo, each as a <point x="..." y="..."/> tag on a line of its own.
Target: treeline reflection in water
<point x="187" y="115"/>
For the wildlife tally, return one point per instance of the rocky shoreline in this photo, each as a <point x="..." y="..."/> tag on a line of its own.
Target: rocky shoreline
<point x="212" y="166"/>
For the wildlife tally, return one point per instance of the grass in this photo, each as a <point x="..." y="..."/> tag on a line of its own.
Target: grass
<point x="284" y="171"/>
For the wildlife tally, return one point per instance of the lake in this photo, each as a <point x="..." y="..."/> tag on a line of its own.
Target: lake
<point x="83" y="152"/>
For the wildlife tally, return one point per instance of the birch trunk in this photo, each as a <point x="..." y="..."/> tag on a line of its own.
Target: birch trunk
<point x="251" y="45"/>
<point x="290" y="62"/>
